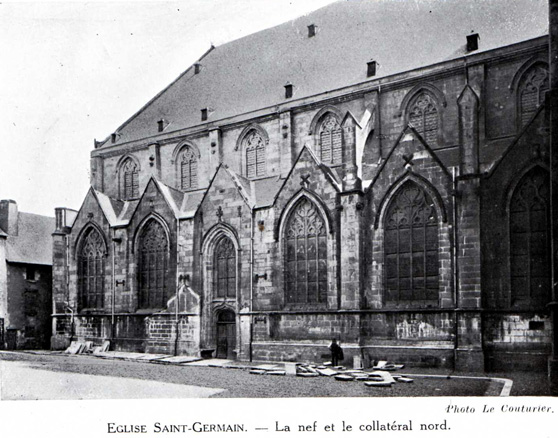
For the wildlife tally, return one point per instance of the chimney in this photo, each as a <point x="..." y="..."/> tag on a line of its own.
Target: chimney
<point x="371" y="69"/>
<point x="197" y="68"/>
<point x="288" y="91"/>
<point x="311" y="30"/>
<point x="473" y="42"/>
<point x="8" y="217"/>
<point x="64" y="219"/>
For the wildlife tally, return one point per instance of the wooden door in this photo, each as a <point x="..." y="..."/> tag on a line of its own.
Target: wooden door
<point x="226" y="335"/>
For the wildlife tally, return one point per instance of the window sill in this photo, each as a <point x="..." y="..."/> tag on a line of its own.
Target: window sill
<point x="305" y="306"/>
<point x="91" y="310"/>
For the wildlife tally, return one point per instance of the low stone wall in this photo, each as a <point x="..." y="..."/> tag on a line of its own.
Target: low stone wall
<point x="134" y="332"/>
<point x="519" y="341"/>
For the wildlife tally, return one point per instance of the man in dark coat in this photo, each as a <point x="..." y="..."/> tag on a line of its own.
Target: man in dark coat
<point x="336" y="353"/>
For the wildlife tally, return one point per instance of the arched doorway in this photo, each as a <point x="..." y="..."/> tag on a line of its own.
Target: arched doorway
<point x="226" y="334"/>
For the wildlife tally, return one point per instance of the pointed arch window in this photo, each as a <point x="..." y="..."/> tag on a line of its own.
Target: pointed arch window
<point x="411" y="248"/>
<point x="129" y="180"/>
<point x="153" y="265"/>
<point x="91" y="271"/>
<point x="530" y="240"/>
<point x="305" y="255"/>
<point x="188" y="163"/>
<point x="331" y="141"/>
<point x="225" y="269"/>
<point x="532" y="88"/>
<point x="254" y="147"/>
<point x="423" y="116"/>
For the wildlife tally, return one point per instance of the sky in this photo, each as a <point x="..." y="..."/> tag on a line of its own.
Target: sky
<point x="75" y="71"/>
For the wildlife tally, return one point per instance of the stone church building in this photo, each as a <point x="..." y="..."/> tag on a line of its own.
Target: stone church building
<point x="375" y="172"/>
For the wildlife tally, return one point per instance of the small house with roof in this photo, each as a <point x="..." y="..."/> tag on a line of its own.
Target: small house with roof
<point x="25" y="278"/>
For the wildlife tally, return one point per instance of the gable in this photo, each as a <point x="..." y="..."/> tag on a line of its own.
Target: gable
<point x="226" y="199"/>
<point x="155" y="198"/>
<point x="311" y="177"/>
<point x="410" y="157"/>
<point x="91" y="210"/>
<point x="308" y="172"/>
<point x="409" y="153"/>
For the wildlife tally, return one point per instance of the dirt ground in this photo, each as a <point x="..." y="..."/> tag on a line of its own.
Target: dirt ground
<point x="240" y="383"/>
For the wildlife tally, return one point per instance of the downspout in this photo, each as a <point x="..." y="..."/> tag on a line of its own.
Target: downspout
<point x="113" y="292"/>
<point x="251" y="279"/>
<point x="69" y="307"/>
<point x="177" y="301"/>
<point x="455" y="267"/>
<point x="67" y="243"/>
<point x="380" y="119"/>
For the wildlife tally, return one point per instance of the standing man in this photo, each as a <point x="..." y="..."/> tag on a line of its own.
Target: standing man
<point x="336" y="353"/>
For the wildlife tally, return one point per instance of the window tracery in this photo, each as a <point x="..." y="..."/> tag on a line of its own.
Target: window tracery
<point x="411" y="248"/>
<point x="129" y="180"/>
<point x="331" y="141"/>
<point x="532" y="90"/>
<point x="225" y="269"/>
<point x="188" y="163"/>
<point x="423" y="116"/>
<point x="254" y="147"/>
<point x="305" y="255"/>
<point x="153" y="266"/>
<point x="529" y="240"/>
<point x="91" y="271"/>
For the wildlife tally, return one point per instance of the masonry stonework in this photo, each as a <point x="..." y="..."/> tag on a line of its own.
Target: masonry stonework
<point x="275" y="266"/>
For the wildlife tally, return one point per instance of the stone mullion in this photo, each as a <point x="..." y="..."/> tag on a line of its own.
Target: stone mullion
<point x="93" y="293"/>
<point x="317" y="267"/>
<point x="306" y="258"/>
<point x="424" y="255"/>
<point x="529" y="237"/>
<point x="398" y="258"/>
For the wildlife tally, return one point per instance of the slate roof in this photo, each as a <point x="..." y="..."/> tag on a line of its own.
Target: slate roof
<point x="249" y="74"/>
<point x="33" y="244"/>
<point x="119" y="213"/>
<point x="265" y="189"/>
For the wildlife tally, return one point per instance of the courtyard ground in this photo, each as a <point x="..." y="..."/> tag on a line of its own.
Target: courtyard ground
<point x="212" y="381"/>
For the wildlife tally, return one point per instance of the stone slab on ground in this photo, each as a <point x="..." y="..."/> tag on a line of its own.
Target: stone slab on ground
<point x="405" y="379"/>
<point x="359" y="375"/>
<point x="378" y="384"/>
<point x="327" y="372"/>
<point x="74" y="348"/>
<point x="388" y="366"/>
<point x="385" y="375"/>
<point x="217" y="363"/>
<point x="120" y="355"/>
<point x="306" y="374"/>
<point x="266" y="367"/>
<point x="235" y="366"/>
<point x="344" y="377"/>
<point x="152" y="356"/>
<point x="357" y="362"/>
<point x="43" y="352"/>
<point x="176" y="359"/>
<point x="290" y="369"/>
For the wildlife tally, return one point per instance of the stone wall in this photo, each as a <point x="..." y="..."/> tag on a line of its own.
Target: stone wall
<point x="463" y="173"/>
<point x="29" y="304"/>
